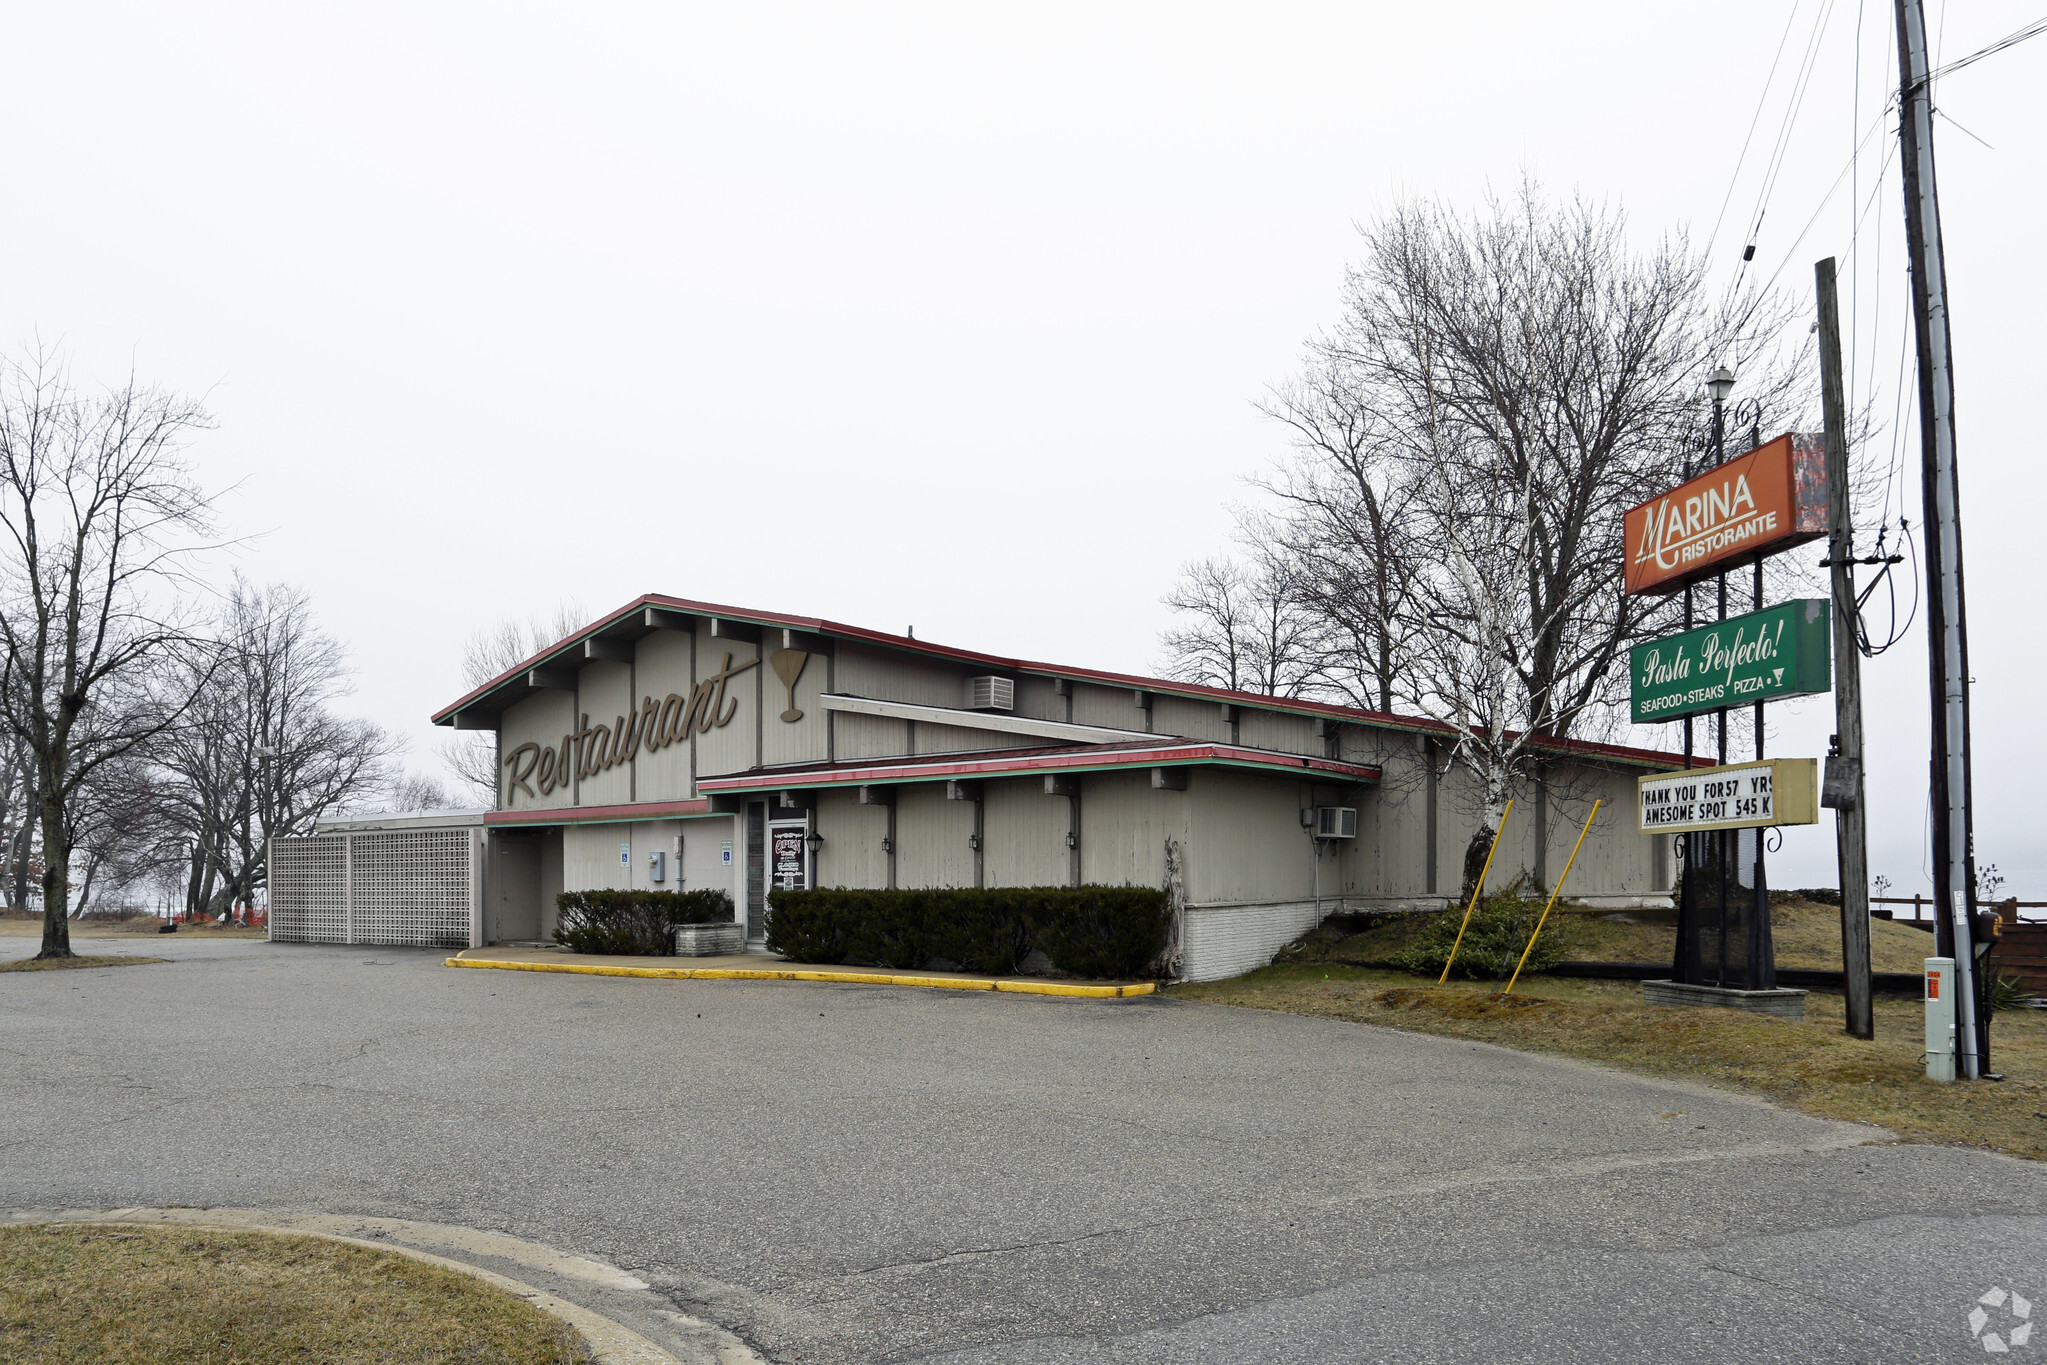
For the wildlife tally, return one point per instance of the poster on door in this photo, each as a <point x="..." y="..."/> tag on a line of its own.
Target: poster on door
<point x="786" y="857"/>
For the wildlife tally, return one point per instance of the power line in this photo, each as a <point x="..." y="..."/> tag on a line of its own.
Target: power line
<point x="1761" y="100"/>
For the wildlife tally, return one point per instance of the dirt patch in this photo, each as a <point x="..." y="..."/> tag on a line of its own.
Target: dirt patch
<point x="66" y="964"/>
<point x="124" y="1295"/>
<point x="1806" y="936"/>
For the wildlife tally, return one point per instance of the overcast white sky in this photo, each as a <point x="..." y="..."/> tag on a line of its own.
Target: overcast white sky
<point x="938" y="315"/>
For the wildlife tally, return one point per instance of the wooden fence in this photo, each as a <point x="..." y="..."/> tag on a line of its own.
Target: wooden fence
<point x="2020" y="949"/>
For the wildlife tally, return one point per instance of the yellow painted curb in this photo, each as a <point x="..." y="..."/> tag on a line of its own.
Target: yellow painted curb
<point x="942" y="983"/>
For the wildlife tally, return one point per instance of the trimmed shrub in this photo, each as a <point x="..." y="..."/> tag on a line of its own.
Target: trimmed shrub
<point x="1493" y="941"/>
<point x="634" y="923"/>
<point x="1085" y="930"/>
<point x="1103" y="930"/>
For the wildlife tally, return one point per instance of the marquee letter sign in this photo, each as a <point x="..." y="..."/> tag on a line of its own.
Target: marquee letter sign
<point x="1754" y="505"/>
<point x="654" y="725"/>
<point x="1777" y="791"/>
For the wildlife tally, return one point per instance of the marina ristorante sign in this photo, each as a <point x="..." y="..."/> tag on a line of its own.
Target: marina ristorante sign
<point x="1777" y="791"/>
<point x="653" y="725"/>
<point x="1780" y="651"/>
<point x="1753" y="505"/>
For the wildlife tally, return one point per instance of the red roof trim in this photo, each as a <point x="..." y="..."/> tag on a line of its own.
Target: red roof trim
<point x="1172" y="755"/>
<point x="571" y="815"/>
<point x="840" y="630"/>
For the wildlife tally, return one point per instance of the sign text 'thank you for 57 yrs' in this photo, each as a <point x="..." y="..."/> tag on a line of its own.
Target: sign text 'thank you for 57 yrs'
<point x="1780" y="651"/>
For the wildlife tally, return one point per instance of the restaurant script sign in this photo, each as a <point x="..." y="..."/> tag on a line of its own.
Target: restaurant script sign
<point x="1780" y="651"/>
<point x="1757" y="504"/>
<point x="1777" y="791"/>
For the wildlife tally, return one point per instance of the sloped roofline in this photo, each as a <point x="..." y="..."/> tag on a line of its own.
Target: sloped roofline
<point x="1616" y="753"/>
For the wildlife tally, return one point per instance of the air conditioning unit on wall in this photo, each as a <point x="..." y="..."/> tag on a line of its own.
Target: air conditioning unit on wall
<point x="990" y="693"/>
<point x="1336" y="822"/>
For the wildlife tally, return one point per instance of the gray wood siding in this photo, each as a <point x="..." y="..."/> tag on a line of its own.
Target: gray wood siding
<point x="663" y="667"/>
<point x="852" y="855"/>
<point x="800" y="741"/>
<point x="862" y="737"/>
<point x="931" y="838"/>
<point x="1124" y="828"/>
<point x="603" y="694"/>
<point x="1025" y="836"/>
<point x="1039" y="699"/>
<point x="1246" y="842"/>
<point x="544" y="719"/>
<point x="734" y="747"/>
<point x="1116" y="707"/>
<point x="1278" y="732"/>
<point x="1185" y="716"/>
<point x="959" y="739"/>
<point x="701" y="869"/>
<point x="884" y="674"/>
<point x="590" y="857"/>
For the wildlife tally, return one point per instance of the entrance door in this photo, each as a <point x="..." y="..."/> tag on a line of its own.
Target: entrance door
<point x="513" y="889"/>
<point x="756" y="869"/>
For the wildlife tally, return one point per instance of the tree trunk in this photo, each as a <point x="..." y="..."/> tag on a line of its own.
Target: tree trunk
<point x="1475" y="854"/>
<point x="56" y="879"/>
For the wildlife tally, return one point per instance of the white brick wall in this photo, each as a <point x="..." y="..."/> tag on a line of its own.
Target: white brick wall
<point x="1229" y="940"/>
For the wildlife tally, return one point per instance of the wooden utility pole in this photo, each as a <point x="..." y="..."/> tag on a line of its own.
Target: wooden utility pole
<point x="1954" y="852"/>
<point x="1843" y="789"/>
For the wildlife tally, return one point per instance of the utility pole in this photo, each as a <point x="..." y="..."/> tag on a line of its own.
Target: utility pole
<point x="1844" y="765"/>
<point x="1954" y="852"/>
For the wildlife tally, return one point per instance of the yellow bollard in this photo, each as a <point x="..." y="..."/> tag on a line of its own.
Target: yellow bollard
<point x="1477" y="892"/>
<point x="1552" y="898"/>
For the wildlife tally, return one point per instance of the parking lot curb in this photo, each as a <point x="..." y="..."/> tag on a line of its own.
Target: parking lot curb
<point x="943" y="983"/>
<point x="610" y="1341"/>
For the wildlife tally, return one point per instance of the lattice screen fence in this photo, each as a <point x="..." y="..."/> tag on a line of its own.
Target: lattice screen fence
<point x="402" y="888"/>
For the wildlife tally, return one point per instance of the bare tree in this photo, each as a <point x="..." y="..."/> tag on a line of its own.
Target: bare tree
<point x="472" y="755"/>
<point x="99" y="512"/>
<point x="418" y="792"/>
<point x="262" y="754"/>
<point x="1343" y="527"/>
<point x="1499" y="389"/>
<point x="1251" y="629"/>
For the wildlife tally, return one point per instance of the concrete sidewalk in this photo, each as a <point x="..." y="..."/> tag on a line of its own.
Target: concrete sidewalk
<point x="753" y="966"/>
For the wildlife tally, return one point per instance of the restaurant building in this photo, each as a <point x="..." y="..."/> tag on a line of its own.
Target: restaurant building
<point x="678" y="744"/>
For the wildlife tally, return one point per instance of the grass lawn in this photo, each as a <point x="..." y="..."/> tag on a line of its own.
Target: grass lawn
<point x="1804" y="934"/>
<point x="65" y="964"/>
<point x="73" y="1294"/>
<point x="1812" y="1066"/>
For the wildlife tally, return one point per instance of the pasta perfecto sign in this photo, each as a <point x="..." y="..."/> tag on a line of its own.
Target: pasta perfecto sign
<point x="1781" y="651"/>
<point x="653" y="726"/>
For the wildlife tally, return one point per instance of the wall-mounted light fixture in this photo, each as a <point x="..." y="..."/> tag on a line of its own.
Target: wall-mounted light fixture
<point x="974" y="842"/>
<point x="1072" y="839"/>
<point x="813" y="841"/>
<point x="888" y="845"/>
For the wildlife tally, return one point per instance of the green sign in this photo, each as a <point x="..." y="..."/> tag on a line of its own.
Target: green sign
<point x="1781" y="651"/>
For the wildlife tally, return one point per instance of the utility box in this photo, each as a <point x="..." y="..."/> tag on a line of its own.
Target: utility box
<point x="1940" y="1018"/>
<point x="657" y="866"/>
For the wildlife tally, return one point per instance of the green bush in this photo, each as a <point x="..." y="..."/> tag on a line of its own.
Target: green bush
<point x="1114" y="931"/>
<point x="634" y="923"/>
<point x="1493" y="941"/>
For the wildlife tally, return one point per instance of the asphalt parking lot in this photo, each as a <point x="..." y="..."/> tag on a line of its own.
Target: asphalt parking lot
<point x="855" y="1174"/>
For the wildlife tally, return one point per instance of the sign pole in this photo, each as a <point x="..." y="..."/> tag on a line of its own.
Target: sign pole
<point x="1843" y="789"/>
<point x="1954" y="851"/>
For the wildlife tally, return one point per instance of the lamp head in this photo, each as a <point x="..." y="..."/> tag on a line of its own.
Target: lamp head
<point x="1720" y="383"/>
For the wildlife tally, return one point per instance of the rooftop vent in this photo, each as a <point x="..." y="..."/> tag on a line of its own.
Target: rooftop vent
<point x="1336" y="822"/>
<point x="990" y="693"/>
